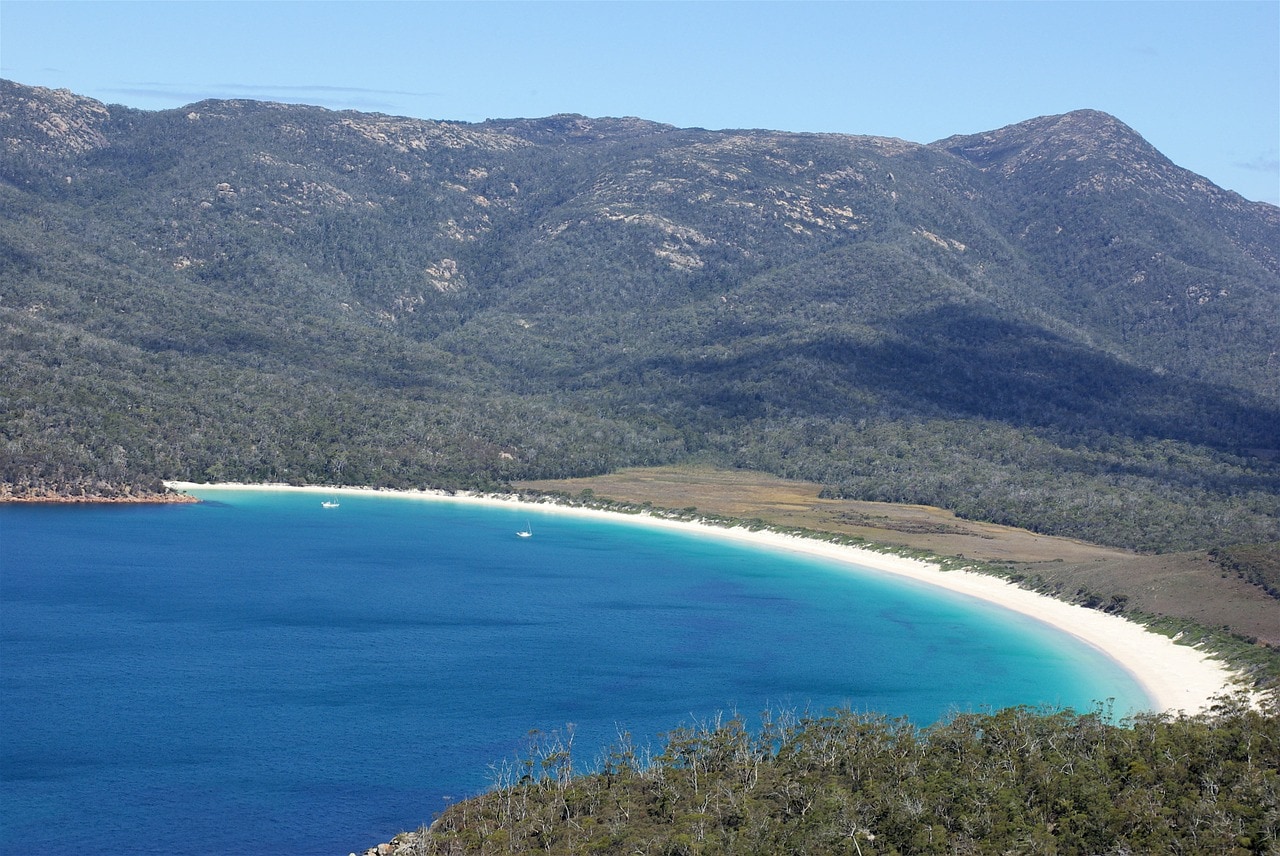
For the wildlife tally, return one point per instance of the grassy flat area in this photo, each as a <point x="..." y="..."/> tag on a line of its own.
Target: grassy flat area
<point x="1180" y="585"/>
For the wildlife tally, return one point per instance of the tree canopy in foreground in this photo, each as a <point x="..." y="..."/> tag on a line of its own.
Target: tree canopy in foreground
<point x="1017" y="780"/>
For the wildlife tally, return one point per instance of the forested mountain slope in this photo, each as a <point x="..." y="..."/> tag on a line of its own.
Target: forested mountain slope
<point x="1049" y="324"/>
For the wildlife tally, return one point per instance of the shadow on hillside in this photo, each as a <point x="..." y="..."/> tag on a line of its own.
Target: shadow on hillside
<point x="952" y="362"/>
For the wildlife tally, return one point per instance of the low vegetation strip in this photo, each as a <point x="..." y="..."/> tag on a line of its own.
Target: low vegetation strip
<point x="746" y="494"/>
<point x="1258" y="564"/>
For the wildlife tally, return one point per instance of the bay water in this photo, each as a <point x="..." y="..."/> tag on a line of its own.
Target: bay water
<point x="257" y="673"/>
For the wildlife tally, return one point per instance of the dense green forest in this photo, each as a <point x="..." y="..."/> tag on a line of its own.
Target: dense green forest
<point x="1049" y="325"/>
<point x="1011" y="781"/>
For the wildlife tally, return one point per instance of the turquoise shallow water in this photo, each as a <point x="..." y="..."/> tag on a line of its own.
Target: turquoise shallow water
<point x="257" y="672"/>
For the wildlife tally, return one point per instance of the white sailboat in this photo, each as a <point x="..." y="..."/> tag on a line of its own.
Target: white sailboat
<point x="329" y="503"/>
<point x="527" y="532"/>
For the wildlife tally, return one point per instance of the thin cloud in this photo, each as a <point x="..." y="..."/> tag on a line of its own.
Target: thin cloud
<point x="1267" y="162"/>
<point x="344" y="96"/>
<point x="11" y="72"/>
<point x="353" y="90"/>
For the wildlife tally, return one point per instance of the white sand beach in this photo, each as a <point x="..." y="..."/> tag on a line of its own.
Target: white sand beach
<point x="1176" y="677"/>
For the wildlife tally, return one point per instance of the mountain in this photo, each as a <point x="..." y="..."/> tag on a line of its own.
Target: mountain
<point x="1049" y="324"/>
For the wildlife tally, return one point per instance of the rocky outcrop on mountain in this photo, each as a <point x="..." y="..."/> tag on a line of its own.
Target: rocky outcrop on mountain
<point x="54" y="123"/>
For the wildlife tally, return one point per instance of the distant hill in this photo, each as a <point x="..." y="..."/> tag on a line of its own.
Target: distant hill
<point x="1049" y="325"/>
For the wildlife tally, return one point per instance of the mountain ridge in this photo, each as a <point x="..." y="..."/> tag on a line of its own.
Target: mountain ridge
<point x="561" y="296"/>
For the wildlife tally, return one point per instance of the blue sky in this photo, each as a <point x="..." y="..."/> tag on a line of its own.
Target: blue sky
<point x="1201" y="81"/>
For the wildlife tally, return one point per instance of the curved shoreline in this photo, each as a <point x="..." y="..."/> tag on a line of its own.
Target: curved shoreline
<point x="1175" y="677"/>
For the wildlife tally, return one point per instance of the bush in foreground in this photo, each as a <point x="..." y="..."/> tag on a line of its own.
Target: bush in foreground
<point x="1012" y="781"/>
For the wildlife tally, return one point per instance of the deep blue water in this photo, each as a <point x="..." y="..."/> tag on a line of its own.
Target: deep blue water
<point x="259" y="674"/>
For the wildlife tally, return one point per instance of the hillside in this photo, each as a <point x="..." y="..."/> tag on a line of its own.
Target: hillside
<point x="1049" y="325"/>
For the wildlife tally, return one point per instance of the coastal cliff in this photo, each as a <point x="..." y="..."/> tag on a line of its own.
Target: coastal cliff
<point x="94" y="493"/>
<point x="404" y="844"/>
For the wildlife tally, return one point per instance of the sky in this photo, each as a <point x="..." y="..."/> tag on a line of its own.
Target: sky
<point x="1200" y="81"/>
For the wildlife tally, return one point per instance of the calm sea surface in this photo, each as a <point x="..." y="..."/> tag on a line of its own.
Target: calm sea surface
<point x="260" y="674"/>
